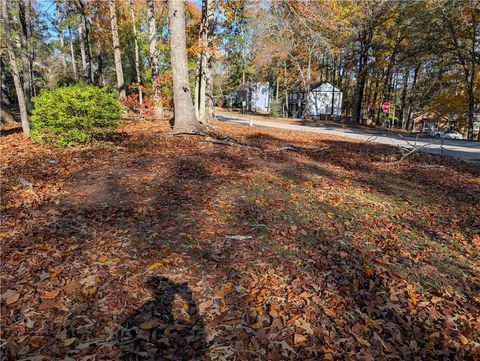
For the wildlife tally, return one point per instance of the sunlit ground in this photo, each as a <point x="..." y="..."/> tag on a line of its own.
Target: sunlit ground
<point x="169" y="247"/>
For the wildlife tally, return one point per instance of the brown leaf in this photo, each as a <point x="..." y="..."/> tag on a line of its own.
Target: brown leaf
<point x="49" y="304"/>
<point x="11" y="296"/>
<point x="51" y="295"/>
<point x="72" y="287"/>
<point x="299" y="339"/>
<point x="37" y="341"/>
<point x="150" y="324"/>
<point x="69" y="341"/>
<point x="436" y="299"/>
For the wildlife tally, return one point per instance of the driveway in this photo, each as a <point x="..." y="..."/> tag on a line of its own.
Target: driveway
<point x="460" y="149"/>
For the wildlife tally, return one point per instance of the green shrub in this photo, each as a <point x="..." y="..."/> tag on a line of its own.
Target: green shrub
<point x="275" y="108"/>
<point x="74" y="114"/>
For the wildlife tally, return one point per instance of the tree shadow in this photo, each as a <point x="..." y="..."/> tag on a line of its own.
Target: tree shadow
<point x="293" y="262"/>
<point x="166" y="327"/>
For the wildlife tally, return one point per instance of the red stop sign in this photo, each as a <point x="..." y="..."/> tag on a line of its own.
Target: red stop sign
<point x="386" y="107"/>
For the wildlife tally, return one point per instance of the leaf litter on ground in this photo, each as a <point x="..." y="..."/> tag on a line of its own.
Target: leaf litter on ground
<point x="129" y="249"/>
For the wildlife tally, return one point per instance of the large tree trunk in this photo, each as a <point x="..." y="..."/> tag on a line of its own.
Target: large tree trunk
<point x="137" y="54"/>
<point x="185" y="120"/>
<point x="15" y="73"/>
<point x="60" y="36"/>
<point x="116" y="49"/>
<point x="152" y="35"/>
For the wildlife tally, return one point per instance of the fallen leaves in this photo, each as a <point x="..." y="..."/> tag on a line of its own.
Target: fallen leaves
<point x="299" y="339"/>
<point x="154" y="265"/>
<point x="294" y="256"/>
<point x="10" y="296"/>
<point x="50" y="295"/>
<point x="72" y="287"/>
<point x="150" y="324"/>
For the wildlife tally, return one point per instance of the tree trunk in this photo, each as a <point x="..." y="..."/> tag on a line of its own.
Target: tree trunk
<point x="24" y="17"/>
<point x="365" y="38"/>
<point x="82" y="50"/>
<point x="202" y="63"/>
<point x="60" y="36"/>
<point x="116" y="49"/>
<point x="404" y="98"/>
<point x="333" y="87"/>
<point x="137" y="54"/>
<point x="15" y="74"/>
<point x="72" y="55"/>
<point x="185" y="120"/>
<point x="360" y="87"/>
<point x="87" y="42"/>
<point x="409" y="125"/>
<point x="152" y="35"/>
<point x="471" y="102"/>
<point x="209" y="101"/>
<point x="286" y="91"/>
<point x="101" y="61"/>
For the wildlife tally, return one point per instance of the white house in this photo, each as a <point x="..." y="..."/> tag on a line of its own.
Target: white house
<point x="254" y="97"/>
<point x="323" y="99"/>
<point x="260" y="98"/>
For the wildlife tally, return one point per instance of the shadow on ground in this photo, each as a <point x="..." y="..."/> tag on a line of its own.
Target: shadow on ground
<point x="186" y="250"/>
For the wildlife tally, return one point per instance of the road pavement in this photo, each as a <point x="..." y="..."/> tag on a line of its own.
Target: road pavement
<point x="460" y="149"/>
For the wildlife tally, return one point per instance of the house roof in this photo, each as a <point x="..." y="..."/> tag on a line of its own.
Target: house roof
<point x="312" y="86"/>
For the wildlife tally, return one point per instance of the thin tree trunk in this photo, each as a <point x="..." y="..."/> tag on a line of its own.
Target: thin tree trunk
<point x="116" y="49"/>
<point x="404" y="98"/>
<point x="60" y="36"/>
<point x="101" y="61"/>
<point x="365" y="38"/>
<point x="286" y="91"/>
<point x="277" y="88"/>
<point x="200" y="84"/>
<point x="209" y="99"/>
<point x="333" y="86"/>
<point x="152" y="35"/>
<point x="409" y="125"/>
<point x="87" y="43"/>
<point x="185" y="120"/>
<point x="72" y="55"/>
<point x="15" y="74"/>
<point x="30" y="49"/>
<point x="82" y="50"/>
<point x="24" y="17"/>
<point x="137" y="54"/>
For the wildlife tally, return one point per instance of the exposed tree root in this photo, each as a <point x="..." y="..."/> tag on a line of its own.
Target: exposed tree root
<point x="234" y="143"/>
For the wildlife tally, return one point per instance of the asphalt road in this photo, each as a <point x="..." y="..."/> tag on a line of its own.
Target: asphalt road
<point x="460" y="149"/>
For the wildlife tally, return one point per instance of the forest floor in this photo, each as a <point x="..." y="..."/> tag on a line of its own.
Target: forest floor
<point x="162" y="247"/>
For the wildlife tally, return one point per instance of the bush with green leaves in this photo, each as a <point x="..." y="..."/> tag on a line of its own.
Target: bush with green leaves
<point x="74" y="114"/>
<point x="275" y="108"/>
